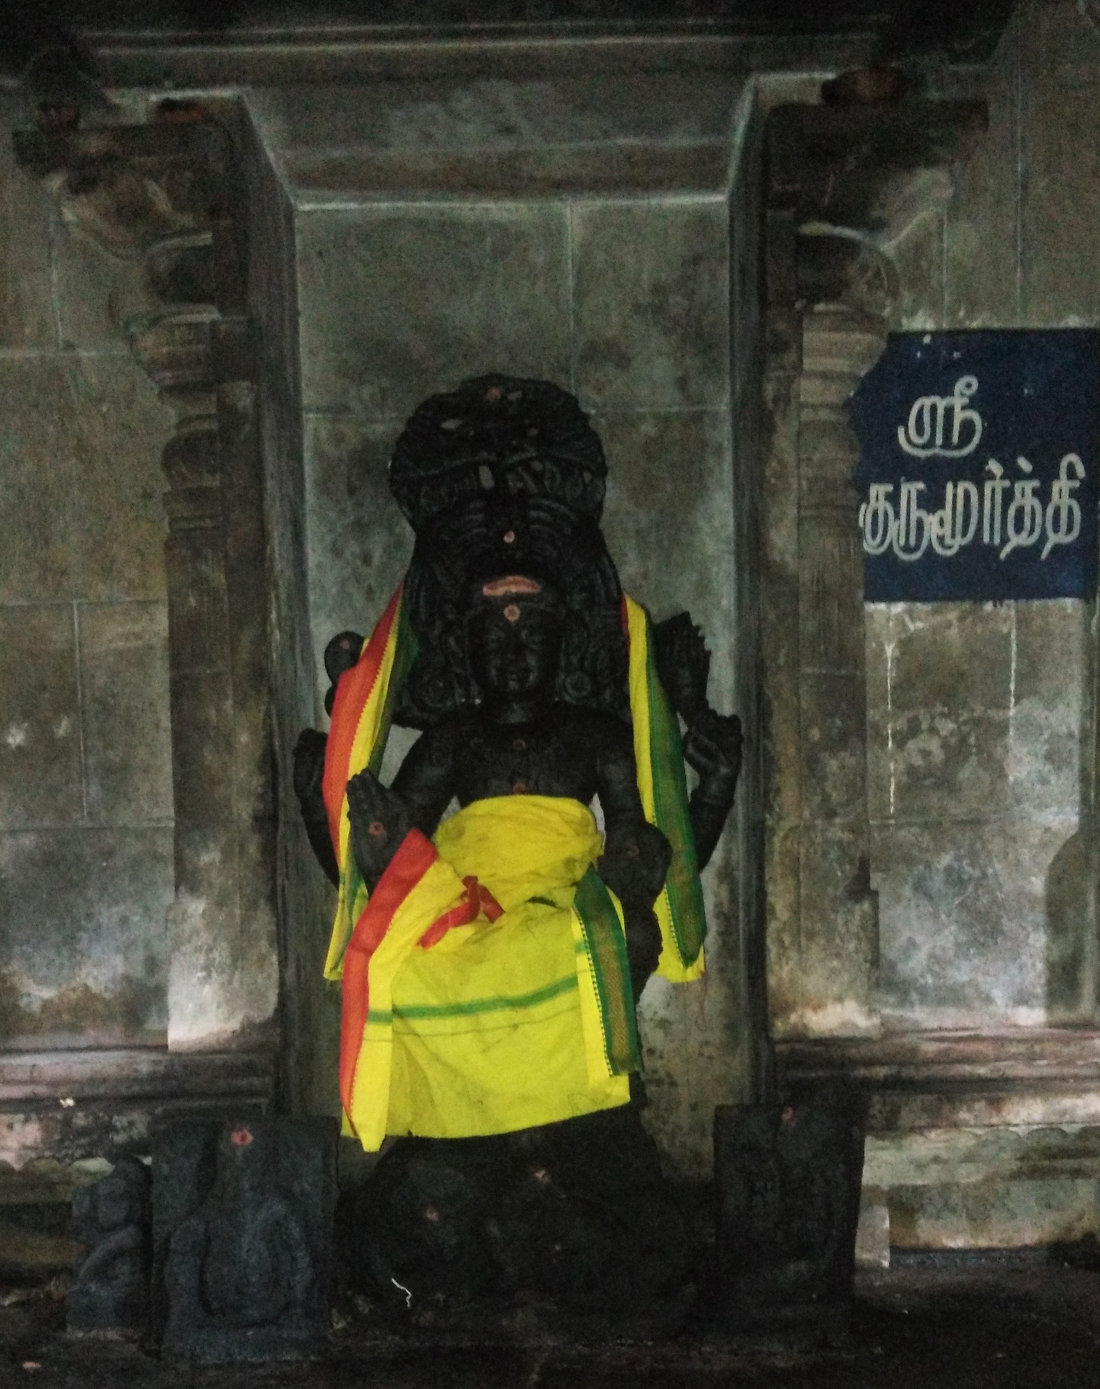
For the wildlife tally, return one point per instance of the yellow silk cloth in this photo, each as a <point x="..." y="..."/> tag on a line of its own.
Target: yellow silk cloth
<point x="659" y="758"/>
<point x="498" y="1025"/>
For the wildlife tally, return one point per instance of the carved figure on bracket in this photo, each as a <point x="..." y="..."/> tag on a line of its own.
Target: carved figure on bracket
<point x="491" y="961"/>
<point x="111" y="1290"/>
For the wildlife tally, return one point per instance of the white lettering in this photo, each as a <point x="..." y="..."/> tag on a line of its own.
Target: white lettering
<point x="914" y="525"/>
<point x="1024" y="522"/>
<point x="953" y="526"/>
<point x="876" y="519"/>
<point x="925" y="433"/>
<point x="1063" y="509"/>
<point x="993" y="493"/>
<point x="905" y="525"/>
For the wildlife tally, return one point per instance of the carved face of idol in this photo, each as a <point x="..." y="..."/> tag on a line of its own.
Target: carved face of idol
<point x="515" y="642"/>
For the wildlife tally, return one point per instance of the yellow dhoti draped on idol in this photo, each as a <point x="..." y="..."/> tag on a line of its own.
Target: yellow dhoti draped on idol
<point x="485" y="980"/>
<point x="496" y="1024"/>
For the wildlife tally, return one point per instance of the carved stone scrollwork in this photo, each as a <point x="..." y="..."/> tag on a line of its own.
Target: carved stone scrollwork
<point x="174" y="350"/>
<point x="130" y="187"/>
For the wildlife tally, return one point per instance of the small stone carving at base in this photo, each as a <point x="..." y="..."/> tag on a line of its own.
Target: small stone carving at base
<point x="242" y="1230"/>
<point x="788" y="1182"/>
<point x="576" y="1212"/>
<point x="111" y="1291"/>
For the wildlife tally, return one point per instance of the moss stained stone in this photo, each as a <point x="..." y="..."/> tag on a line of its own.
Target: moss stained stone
<point x="82" y="936"/>
<point x="358" y="542"/>
<point x="26" y="312"/>
<point x="83" y="516"/>
<point x="651" y="290"/>
<point x="400" y="301"/>
<point x="40" y="758"/>
<point x="124" y="683"/>
<point x="964" y="920"/>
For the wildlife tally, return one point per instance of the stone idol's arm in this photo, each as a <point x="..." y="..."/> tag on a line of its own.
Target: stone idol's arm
<point x="636" y="854"/>
<point x="712" y="741"/>
<point x="309" y="769"/>
<point x="380" y="819"/>
<point x="422" y="789"/>
<point x="712" y="748"/>
<point x="309" y="757"/>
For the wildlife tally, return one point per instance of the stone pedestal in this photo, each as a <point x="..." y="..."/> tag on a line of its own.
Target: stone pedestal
<point x="788" y="1185"/>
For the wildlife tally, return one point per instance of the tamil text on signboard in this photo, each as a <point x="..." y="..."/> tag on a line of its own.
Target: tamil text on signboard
<point x="978" y="465"/>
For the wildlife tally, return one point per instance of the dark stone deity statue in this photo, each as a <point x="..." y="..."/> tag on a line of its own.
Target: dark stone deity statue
<point x="513" y="650"/>
<point x="242" y="1215"/>
<point x="788" y="1178"/>
<point x="110" y="1217"/>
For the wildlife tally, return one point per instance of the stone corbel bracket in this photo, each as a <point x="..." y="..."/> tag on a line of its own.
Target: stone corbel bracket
<point x="168" y="196"/>
<point x="847" y="192"/>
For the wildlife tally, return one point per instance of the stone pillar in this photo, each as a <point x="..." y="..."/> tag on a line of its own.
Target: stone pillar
<point x="222" y="959"/>
<point x="168" y="197"/>
<point x="837" y="909"/>
<point x="846" y="192"/>
<point x="822" y="927"/>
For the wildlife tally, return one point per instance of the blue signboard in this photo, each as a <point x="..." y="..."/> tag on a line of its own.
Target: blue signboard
<point x="978" y="465"/>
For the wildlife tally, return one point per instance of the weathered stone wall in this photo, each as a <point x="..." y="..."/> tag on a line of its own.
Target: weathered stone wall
<point x="750" y="1071"/>
<point x="984" y="1110"/>
<point x="588" y="226"/>
<point x="980" y="734"/>
<point x="309" y="1015"/>
<point x="85" y="765"/>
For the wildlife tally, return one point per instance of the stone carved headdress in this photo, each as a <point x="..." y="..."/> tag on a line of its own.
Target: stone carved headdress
<point x="506" y="476"/>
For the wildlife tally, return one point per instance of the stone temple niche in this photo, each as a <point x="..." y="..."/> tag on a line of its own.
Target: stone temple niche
<point x="682" y="235"/>
<point x="427" y="269"/>
<point x="295" y="276"/>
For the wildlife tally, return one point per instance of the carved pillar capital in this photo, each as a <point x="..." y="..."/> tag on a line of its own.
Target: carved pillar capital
<point x="192" y="466"/>
<point x="162" y="196"/>
<point x="174" y="348"/>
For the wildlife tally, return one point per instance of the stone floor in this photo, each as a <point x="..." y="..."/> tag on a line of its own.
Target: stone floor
<point x="949" y="1323"/>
